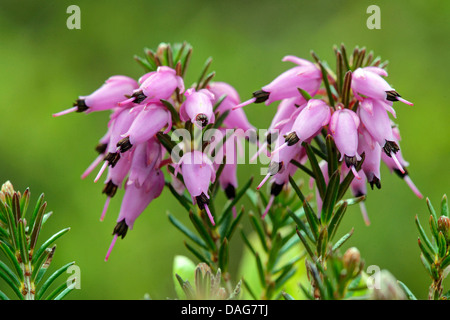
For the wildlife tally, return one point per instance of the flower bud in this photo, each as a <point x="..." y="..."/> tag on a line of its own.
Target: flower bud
<point x="352" y="260"/>
<point x="389" y="288"/>
<point x="7" y="189"/>
<point x="444" y="226"/>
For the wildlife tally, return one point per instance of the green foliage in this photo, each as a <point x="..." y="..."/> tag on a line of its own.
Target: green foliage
<point x="19" y="235"/>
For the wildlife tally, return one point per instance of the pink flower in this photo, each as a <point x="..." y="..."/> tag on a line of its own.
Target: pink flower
<point x="378" y="125"/>
<point x="368" y="82"/>
<point x="372" y="159"/>
<point x="344" y="125"/>
<point x="149" y="121"/>
<point x="283" y="156"/>
<point x="198" y="172"/>
<point x="156" y="86"/>
<point x="306" y="76"/>
<point x="146" y="157"/>
<point x="309" y="122"/>
<point x="106" y="97"/>
<point x="135" y="200"/>
<point x="287" y="109"/>
<point x="120" y="122"/>
<point x="198" y="107"/>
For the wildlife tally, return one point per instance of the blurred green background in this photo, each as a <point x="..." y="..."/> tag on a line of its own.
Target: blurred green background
<point x="44" y="67"/>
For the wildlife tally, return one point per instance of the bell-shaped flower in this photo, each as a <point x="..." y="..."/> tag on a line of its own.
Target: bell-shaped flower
<point x="146" y="157"/>
<point x="378" y="125"/>
<point x="343" y="126"/>
<point x="150" y="120"/>
<point x="283" y="157"/>
<point x="368" y="83"/>
<point x="107" y="97"/>
<point x="306" y="76"/>
<point x="198" y="107"/>
<point x="120" y="122"/>
<point x="134" y="202"/>
<point x="236" y="119"/>
<point x="198" y="172"/>
<point x="287" y="109"/>
<point x="372" y="157"/>
<point x="156" y="86"/>
<point x="309" y="122"/>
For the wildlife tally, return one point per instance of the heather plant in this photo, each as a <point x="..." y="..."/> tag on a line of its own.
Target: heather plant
<point x="27" y="259"/>
<point x="336" y="127"/>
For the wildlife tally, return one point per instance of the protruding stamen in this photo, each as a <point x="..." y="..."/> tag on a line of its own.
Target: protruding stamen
<point x="395" y="96"/>
<point x="397" y="163"/>
<point x="263" y="181"/>
<point x="355" y="173"/>
<point x="261" y="149"/>
<point x="269" y="205"/>
<point x="92" y="166"/>
<point x="405" y="101"/>
<point x="363" y="209"/>
<point x="284" y="145"/>
<point x="243" y="104"/>
<point x="102" y="169"/>
<point x="61" y="113"/>
<point x="413" y="187"/>
<point x="105" y="208"/>
<point x="125" y="102"/>
<point x="113" y="242"/>
<point x="211" y="218"/>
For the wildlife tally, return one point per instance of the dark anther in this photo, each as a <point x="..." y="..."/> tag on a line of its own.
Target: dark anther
<point x="275" y="167"/>
<point x="260" y="96"/>
<point x="359" y="194"/>
<point x="230" y="191"/>
<point x="81" y="105"/>
<point x="276" y="188"/>
<point x="101" y="148"/>
<point x="375" y="181"/>
<point x="350" y="161"/>
<point x="392" y="95"/>
<point x="124" y="144"/>
<point x="202" y="119"/>
<point x="291" y="138"/>
<point x="390" y="146"/>
<point x="202" y="200"/>
<point x="401" y="174"/>
<point x="121" y="229"/>
<point x="110" y="189"/>
<point x="112" y="158"/>
<point x="272" y="136"/>
<point x="139" y="96"/>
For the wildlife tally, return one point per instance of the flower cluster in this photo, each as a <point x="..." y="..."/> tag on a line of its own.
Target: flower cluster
<point x="143" y="112"/>
<point x="352" y="109"/>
